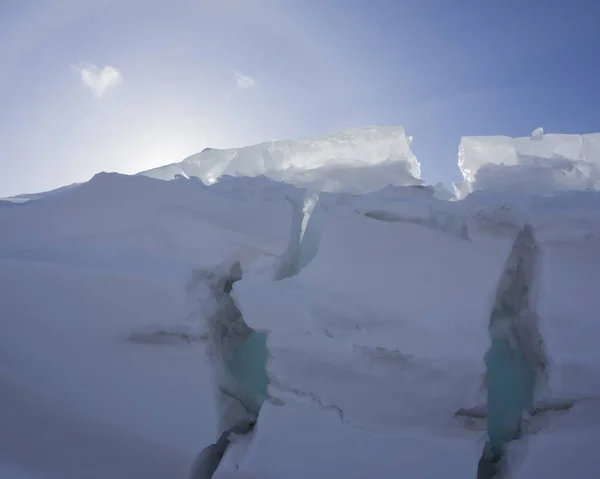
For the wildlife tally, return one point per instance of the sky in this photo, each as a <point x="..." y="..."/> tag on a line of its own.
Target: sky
<point x="128" y="85"/>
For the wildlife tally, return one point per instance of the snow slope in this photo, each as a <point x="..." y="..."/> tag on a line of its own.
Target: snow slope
<point x="357" y="160"/>
<point x="376" y="307"/>
<point x="386" y="328"/>
<point x="72" y="441"/>
<point x="99" y="332"/>
<point x="73" y="383"/>
<point x="138" y="223"/>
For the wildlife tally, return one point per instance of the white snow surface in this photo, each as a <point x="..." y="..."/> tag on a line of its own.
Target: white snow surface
<point x="356" y="160"/>
<point x="138" y="223"/>
<point x="99" y="340"/>
<point x="538" y="164"/>
<point x="404" y="287"/>
<point x="377" y="308"/>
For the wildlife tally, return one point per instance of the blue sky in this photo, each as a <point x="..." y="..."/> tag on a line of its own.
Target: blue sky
<point x="441" y="68"/>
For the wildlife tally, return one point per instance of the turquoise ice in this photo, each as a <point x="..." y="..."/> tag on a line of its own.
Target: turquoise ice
<point x="511" y="384"/>
<point x="248" y="367"/>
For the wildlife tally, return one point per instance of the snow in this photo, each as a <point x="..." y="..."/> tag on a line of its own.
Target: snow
<point x="306" y="444"/>
<point x="390" y="311"/>
<point x="84" y="276"/>
<point x="68" y="443"/>
<point x="567" y="305"/>
<point x="566" y="448"/>
<point x="65" y="336"/>
<point x="538" y="133"/>
<point x="23" y="198"/>
<point x="376" y="307"/>
<point x="357" y="160"/>
<point x="138" y="223"/>
<point x="539" y="164"/>
<point x="383" y="304"/>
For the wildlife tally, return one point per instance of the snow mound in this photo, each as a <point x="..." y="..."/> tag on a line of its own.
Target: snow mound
<point x="150" y="226"/>
<point x="539" y="164"/>
<point x="357" y="160"/>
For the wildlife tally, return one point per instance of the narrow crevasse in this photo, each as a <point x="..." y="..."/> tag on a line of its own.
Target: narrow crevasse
<point x="308" y="220"/>
<point x="239" y="356"/>
<point x="238" y="353"/>
<point x="516" y="363"/>
<point x="312" y="229"/>
<point x="288" y="262"/>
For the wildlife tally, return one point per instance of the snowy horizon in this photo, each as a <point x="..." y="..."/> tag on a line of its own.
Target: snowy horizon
<point x="366" y="159"/>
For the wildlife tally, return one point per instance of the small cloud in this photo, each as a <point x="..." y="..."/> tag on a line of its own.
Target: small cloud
<point x="243" y="82"/>
<point x="99" y="79"/>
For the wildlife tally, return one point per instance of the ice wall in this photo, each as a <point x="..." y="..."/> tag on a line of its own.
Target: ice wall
<point x="539" y="164"/>
<point x="383" y="328"/>
<point x="356" y="160"/>
<point x="398" y="290"/>
<point x="397" y="294"/>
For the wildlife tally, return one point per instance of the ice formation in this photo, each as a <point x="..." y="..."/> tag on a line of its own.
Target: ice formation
<point x="377" y="310"/>
<point x="539" y="164"/>
<point x="538" y="133"/>
<point x="516" y="360"/>
<point x="358" y="160"/>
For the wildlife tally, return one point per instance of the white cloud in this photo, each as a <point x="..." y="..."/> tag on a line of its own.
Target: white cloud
<point x="99" y="79"/>
<point x="243" y="82"/>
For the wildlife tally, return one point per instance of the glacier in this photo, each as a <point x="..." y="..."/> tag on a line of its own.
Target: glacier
<point x="273" y="301"/>
<point x="358" y="160"/>
<point x="539" y="164"/>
